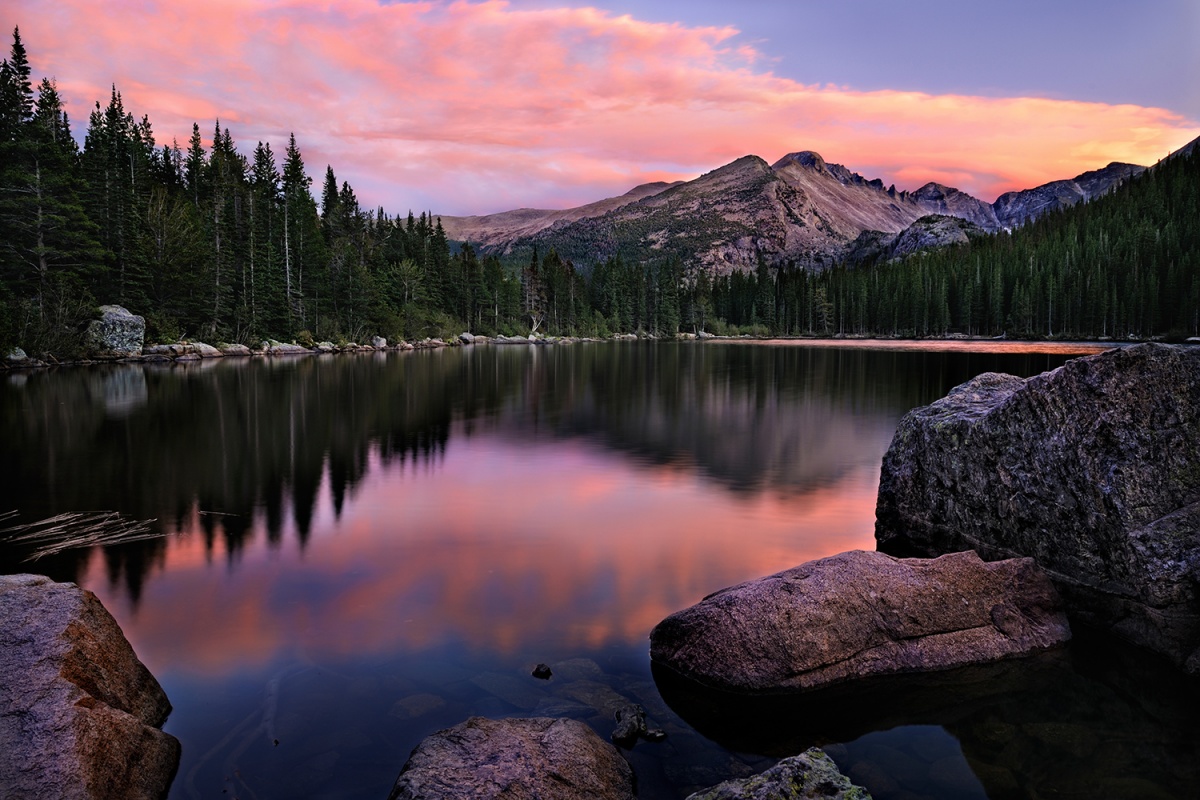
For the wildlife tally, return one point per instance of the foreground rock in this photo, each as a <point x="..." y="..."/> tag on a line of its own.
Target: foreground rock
<point x="116" y="334"/>
<point x="542" y="758"/>
<point x="79" y="714"/>
<point x="857" y="615"/>
<point x="1092" y="469"/>
<point x="812" y="775"/>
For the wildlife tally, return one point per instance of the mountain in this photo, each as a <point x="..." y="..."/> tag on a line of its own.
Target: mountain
<point x="800" y="210"/>
<point x="720" y="221"/>
<point x="1016" y="208"/>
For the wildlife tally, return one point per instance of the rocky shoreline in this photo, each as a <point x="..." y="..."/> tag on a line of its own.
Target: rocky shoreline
<point x="117" y="337"/>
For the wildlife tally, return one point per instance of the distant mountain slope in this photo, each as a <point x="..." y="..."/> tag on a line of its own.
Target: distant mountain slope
<point x="497" y="230"/>
<point x="1017" y="208"/>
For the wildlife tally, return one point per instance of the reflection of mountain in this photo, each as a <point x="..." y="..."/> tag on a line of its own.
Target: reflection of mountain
<point x="242" y="440"/>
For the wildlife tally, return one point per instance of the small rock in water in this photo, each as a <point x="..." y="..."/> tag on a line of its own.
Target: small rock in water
<point x="631" y="723"/>
<point x="542" y="671"/>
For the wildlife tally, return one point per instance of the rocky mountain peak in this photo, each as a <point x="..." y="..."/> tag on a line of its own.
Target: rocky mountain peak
<point x="934" y="191"/>
<point x="805" y="158"/>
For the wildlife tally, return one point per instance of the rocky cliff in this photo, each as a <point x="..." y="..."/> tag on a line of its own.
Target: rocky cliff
<point x="927" y="233"/>
<point x="1093" y="470"/>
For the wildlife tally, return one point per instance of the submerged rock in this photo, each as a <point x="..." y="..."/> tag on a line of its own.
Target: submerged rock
<point x="116" y="334"/>
<point x="631" y="723"/>
<point x="543" y="758"/>
<point x="857" y="615"/>
<point x="812" y="775"/>
<point x="79" y="713"/>
<point x="1092" y="469"/>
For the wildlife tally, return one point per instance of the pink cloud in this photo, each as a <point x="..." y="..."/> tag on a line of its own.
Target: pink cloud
<point x="470" y="107"/>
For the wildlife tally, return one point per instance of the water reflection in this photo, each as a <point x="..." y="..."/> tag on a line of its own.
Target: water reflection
<point x="352" y="536"/>
<point x="1100" y="719"/>
<point x="241" y="440"/>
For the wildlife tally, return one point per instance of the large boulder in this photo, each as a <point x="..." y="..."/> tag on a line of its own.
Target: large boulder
<point x="858" y="615"/>
<point x="812" y="775"/>
<point x="1093" y="470"/>
<point x="79" y="713"/>
<point x="515" y="759"/>
<point x="116" y="334"/>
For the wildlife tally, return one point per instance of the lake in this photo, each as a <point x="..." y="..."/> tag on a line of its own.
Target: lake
<point x="362" y="549"/>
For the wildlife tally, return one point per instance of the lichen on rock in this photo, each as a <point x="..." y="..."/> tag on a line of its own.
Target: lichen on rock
<point x="116" y="334"/>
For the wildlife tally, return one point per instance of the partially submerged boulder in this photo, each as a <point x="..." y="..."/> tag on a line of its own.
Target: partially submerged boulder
<point x="812" y="775"/>
<point x="79" y="713"/>
<point x="857" y="615"/>
<point x="515" y="759"/>
<point x="1092" y="469"/>
<point x="116" y="334"/>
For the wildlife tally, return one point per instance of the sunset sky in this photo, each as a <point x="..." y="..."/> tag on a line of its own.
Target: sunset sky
<point x="477" y="107"/>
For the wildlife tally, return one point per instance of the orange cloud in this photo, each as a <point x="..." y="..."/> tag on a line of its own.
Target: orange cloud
<point x="473" y="107"/>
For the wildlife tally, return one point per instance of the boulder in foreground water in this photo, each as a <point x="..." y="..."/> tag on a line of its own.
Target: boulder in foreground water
<point x="812" y="775"/>
<point x="857" y="615"/>
<point x="79" y="713"/>
<point x="1092" y="469"/>
<point x="515" y="759"/>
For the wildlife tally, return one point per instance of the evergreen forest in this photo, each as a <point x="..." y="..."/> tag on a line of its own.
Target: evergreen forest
<point x="218" y="242"/>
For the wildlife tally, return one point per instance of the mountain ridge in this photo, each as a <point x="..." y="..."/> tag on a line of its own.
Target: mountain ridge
<point x="800" y="210"/>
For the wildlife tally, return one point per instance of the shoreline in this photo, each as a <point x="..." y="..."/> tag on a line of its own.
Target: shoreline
<point x="199" y="351"/>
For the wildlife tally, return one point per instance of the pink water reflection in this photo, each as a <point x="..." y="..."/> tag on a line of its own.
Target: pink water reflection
<point x="498" y="546"/>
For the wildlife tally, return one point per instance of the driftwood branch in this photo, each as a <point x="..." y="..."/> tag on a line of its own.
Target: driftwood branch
<point x="74" y="530"/>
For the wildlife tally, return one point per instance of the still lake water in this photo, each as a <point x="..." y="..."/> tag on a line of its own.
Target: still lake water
<point x="364" y="549"/>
